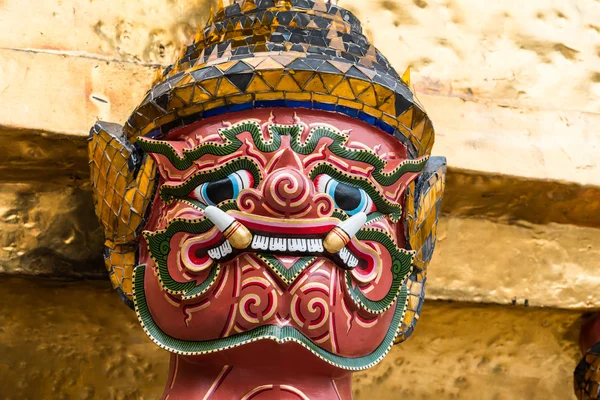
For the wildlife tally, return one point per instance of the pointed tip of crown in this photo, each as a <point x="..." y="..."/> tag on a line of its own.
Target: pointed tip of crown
<point x="406" y="77"/>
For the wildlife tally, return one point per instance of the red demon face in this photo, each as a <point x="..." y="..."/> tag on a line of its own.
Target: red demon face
<point x="281" y="227"/>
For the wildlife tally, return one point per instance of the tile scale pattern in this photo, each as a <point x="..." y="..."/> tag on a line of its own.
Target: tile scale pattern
<point x="587" y="375"/>
<point x="295" y="53"/>
<point x="123" y="183"/>
<point x="422" y="215"/>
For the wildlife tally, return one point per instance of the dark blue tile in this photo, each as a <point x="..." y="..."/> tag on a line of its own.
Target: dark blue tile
<point x="323" y="106"/>
<point x="369" y="119"/>
<point x="351" y="112"/>
<point x="215" y="111"/>
<point x="240" y="107"/>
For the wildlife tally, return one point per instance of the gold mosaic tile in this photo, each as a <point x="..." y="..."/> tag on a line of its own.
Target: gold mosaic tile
<point x="421" y="226"/>
<point x="120" y="199"/>
<point x="316" y="85"/>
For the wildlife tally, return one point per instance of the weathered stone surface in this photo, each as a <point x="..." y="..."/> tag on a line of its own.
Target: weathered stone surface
<point x="549" y="265"/>
<point x="510" y="199"/>
<point x="461" y="351"/>
<point x="49" y="229"/>
<point x="68" y="94"/>
<point x="536" y="144"/>
<point x="135" y="31"/>
<point x="535" y="55"/>
<point x="73" y="341"/>
<point x="511" y="89"/>
<point x="35" y="156"/>
<point x="63" y="340"/>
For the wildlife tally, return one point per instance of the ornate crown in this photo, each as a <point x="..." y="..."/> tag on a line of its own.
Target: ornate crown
<point x="283" y="53"/>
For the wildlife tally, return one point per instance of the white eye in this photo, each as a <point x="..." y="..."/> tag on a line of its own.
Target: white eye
<point x="351" y="199"/>
<point x="213" y="193"/>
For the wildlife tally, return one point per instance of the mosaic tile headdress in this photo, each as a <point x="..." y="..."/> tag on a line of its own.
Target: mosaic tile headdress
<point x="294" y="53"/>
<point x="251" y="54"/>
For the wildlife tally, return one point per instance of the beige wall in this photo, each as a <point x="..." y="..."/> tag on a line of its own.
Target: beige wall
<point x="513" y="89"/>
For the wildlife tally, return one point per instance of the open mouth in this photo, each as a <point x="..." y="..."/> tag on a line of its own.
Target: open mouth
<point x="287" y="238"/>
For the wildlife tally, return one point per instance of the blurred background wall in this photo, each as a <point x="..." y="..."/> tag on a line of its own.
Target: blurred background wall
<point x="513" y="88"/>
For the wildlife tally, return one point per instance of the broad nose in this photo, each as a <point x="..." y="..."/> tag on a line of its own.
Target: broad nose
<point x="287" y="192"/>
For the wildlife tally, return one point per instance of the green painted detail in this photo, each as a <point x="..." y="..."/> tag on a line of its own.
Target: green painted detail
<point x="229" y="205"/>
<point x="338" y="147"/>
<point x="226" y="205"/>
<point x="194" y="203"/>
<point x="340" y="214"/>
<point x="401" y="267"/>
<point x="159" y="246"/>
<point x="374" y="216"/>
<point x="168" y="193"/>
<point x="383" y="205"/>
<point x="278" y="130"/>
<point x="230" y="144"/>
<point x="266" y="332"/>
<point x="287" y="275"/>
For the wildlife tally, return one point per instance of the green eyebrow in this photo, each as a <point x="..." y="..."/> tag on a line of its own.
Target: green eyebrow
<point x="169" y="192"/>
<point x="339" y="148"/>
<point x="383" y="205"/>
<point x="232" y="143"/>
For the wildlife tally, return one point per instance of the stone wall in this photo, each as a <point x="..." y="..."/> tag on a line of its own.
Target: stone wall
<point x="76" y="340"/>
<point x="513" y="90"/>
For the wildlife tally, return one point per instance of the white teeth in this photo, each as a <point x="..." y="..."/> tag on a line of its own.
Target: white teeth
<point x="297" y="244"/>
<point x="225" y="248"/>
<point x="284" y="244"/>
<point x="260" y="242"/>
<point x="352" y="261"/>
<point x="277" y="244"/>
<point x="215" y="254"/>
<point x="219" y="252"/>
<point x="315" y="245"/>
<point x="345" y="254"/>
<point x="348" y="258"/>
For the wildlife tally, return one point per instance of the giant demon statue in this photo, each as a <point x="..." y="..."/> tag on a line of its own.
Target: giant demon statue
<point x="270" y="208"/>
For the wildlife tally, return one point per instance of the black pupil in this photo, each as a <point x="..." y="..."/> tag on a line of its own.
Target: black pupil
<point x="220" y="190"/>
<point x="347" y="197"/>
